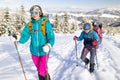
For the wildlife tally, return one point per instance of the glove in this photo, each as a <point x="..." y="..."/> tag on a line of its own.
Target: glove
<point x="94" y="43"/>
<point x="46" y="48"/>
<point x="15" y="36"/>
<point x="75" y="38"/>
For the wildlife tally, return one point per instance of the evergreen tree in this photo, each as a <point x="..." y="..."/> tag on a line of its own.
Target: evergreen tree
<point x="17" y="23"/>
<point x="73" y="27"/>
<point x="65" y="24"/>
<point x="23" y="14"/>
<point x="20" y="19"/>
<point x="56" y="24"/>
<point x="2" y="29"/>
<point x="7" y="15"/>
<point x="7" y="24"/>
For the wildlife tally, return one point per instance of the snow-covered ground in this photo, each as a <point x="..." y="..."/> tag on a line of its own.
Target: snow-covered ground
<point x="62" y="61"/>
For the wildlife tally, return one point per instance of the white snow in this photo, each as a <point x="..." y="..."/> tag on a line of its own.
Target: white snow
<point x="96" y="15"/>
<point x="62" y="61"/>
<point x="109" y="16"/>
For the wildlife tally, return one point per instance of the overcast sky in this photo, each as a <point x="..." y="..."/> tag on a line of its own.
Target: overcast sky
<point x="61" y="3"/>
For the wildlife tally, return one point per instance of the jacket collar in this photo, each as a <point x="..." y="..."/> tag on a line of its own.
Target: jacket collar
<point x="34" y="21"/>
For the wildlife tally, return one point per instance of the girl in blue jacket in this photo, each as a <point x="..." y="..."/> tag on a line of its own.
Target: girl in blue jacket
<point x="40" y="44"/>
<point x="91" y="41"/>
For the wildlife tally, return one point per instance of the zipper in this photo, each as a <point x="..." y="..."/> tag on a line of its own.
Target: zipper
<point x="37" y="39"/>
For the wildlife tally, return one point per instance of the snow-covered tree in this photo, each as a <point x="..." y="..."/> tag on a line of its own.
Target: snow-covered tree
<point x="66" y="28"/>
<point x="66" y="24"/>
<point x="20" y="19"/>
<point x="17" y="23"/>
<point x="56" y="24"/>
<point x="2" y="29"/>
<point x="23" y="15"/>
<point x="73" y="27"/>
<point x="7" y="23"/>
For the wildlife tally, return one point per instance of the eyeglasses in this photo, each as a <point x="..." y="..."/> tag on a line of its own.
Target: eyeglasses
<point x="34" y="13"/>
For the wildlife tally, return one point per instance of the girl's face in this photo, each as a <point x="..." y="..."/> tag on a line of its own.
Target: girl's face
<point x="86" y="30"/>
<point x="35" y="14"/>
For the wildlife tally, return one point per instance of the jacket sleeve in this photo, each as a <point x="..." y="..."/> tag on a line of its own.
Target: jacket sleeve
<point x="50" y="34"/>
<point x="96" y="37"/>
<point x="80" y="38"/>
<point x="25" y="35"/>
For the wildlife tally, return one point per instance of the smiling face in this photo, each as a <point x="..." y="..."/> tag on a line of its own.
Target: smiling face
<point x="35" y="14"/>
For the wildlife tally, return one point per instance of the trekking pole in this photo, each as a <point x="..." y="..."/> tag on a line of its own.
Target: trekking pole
<point x="97" y="61"/>
<point x="15" y="43"/>
<point x="76" y="52"/>
<point x="47" y="75"/>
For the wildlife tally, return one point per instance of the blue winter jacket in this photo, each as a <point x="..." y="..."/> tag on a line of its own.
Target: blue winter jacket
<point x="38" y="40"/>
<point x="88" y="38"/>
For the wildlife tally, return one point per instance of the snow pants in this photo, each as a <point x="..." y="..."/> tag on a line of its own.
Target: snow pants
<point x="92" y="54"/>
<point x="41" y="64"/>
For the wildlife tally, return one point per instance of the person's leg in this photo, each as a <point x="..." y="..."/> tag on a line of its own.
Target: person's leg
<point x="42" y="69"/>
<point x="41" y="64"/>
<point x="84" y="54"/>
<point x="92" y="59"/>
<point x="36" y="62"/>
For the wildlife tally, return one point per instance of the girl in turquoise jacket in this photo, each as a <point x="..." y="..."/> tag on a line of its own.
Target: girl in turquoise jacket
<point x="91" y="41"/>
<point x="40" y="44"/>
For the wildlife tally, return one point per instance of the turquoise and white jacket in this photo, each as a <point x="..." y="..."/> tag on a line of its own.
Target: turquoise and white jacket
<point x="38" y="40"/>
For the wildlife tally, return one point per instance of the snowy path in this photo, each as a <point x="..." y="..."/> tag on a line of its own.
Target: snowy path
<point x="111" y="59"/>
<point x="62" y="62"/>
<point x="108" y="58"/>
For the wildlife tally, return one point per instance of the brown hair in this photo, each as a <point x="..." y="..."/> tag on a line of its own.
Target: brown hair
<point x="41" y="13"/>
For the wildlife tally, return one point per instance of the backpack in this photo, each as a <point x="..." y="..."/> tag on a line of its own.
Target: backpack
<point x="43" y="28"/>
<point x="98" y="30"/>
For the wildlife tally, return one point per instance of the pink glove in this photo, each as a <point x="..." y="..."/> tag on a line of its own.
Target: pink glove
<point x="75" y="38"/>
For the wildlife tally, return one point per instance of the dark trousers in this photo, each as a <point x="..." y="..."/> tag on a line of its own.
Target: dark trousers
<point x="85" y="51"/>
